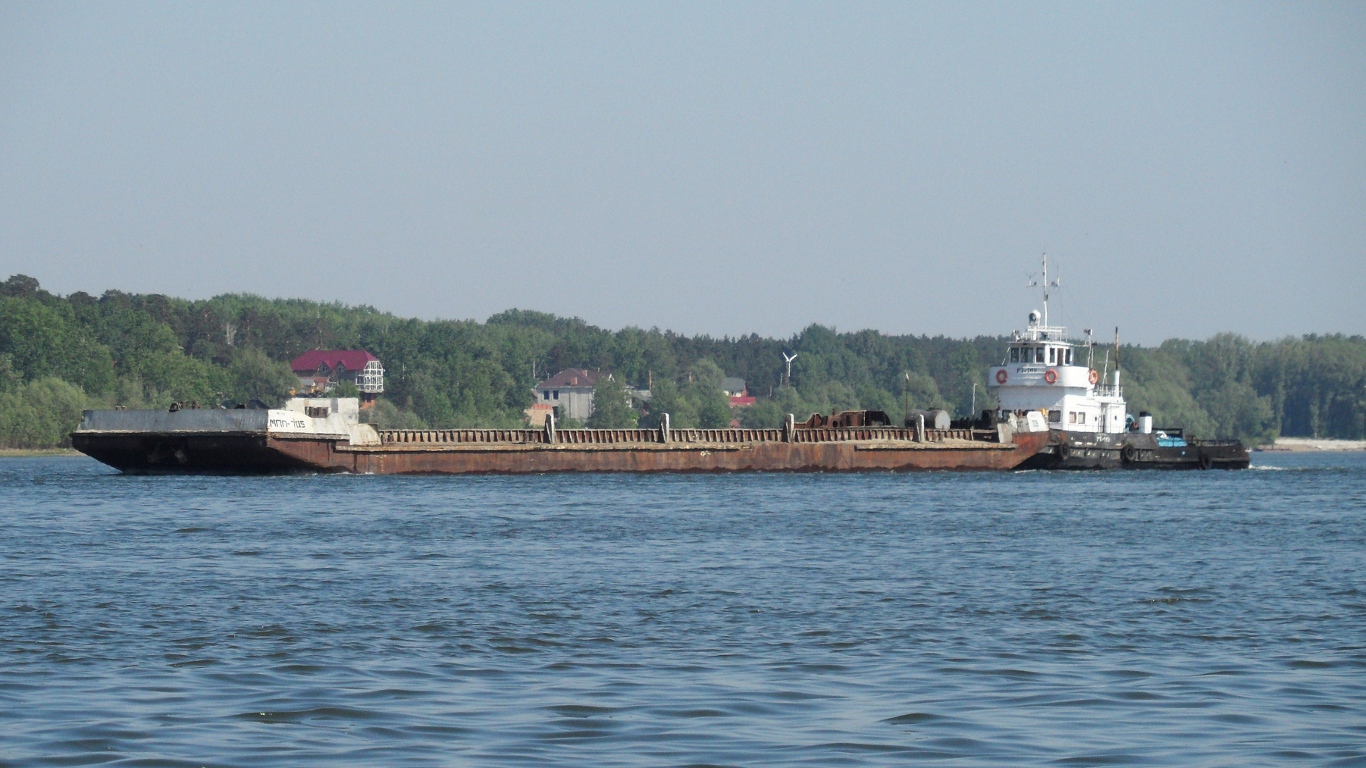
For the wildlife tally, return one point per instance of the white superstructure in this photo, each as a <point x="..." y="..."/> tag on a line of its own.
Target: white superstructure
<point x="1043" y="373"/>
<point x="329" y="417"/>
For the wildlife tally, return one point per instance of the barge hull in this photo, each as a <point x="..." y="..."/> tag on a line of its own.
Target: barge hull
<point x="270" y="454"/>
<point x="179" y="454"/>
<point x="752" y="457"/>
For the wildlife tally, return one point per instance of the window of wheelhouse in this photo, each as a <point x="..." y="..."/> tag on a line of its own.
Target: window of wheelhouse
<point x="1014" y="354"/>
<point x="1069" y="356"/>
<point x="1052" y="355"/>
<point x="1038" y="354"/>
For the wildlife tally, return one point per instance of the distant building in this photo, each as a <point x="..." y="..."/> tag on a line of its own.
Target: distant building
<point x="569" y="393"/>
<point x="321" y="370"/>
<point x="737" y="392"/>
<point x="733" y="387"/>
<point x="537" y="414"/>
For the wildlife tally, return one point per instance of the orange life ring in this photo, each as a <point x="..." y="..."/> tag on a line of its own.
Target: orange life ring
<point x="1095" y="376"/>
<point x="1001" y="376"/>
<point x="1050" y="376"/>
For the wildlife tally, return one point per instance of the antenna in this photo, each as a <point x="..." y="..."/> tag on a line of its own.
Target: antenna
<point x="789" y="360"/>
<point x="1117" y="390"/>
<point x="1056" y="283"/>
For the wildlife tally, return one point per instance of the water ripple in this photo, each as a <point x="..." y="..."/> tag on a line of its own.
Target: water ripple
<point x="1023" y="618"/>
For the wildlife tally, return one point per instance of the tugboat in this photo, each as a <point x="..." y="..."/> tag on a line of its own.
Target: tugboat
<point x="1043" y="383"/>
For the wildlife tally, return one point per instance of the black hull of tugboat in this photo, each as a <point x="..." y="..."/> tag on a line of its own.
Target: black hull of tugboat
<point x="1133" y="450"/>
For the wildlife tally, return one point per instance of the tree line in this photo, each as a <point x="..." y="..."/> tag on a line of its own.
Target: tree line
<point x="61" y="354"/>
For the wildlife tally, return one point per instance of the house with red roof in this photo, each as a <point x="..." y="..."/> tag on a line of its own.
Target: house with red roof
<point x="321" y="370"/>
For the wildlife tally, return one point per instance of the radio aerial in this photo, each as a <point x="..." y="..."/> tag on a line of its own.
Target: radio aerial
<point x="1046" y="285"/>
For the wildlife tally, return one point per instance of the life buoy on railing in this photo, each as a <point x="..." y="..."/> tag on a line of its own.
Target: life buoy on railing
<point x="1094" y="376"/>
<point x="1001" y="376"/>
<point x="1050" y="376"/>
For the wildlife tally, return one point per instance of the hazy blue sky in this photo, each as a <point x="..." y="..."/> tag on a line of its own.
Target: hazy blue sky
<point x="717" y="168"/>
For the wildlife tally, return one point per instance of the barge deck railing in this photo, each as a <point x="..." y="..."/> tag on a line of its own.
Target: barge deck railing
<point x="675" y="436"/>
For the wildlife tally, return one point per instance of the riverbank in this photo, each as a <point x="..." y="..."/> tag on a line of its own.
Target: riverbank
<point x="1314" y="444"/>
<point x="10" y="453"/>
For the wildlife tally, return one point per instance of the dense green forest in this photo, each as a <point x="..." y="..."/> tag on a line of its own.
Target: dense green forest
<point x="60" y="354"/>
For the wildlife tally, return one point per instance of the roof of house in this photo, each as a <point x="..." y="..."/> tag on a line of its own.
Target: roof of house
<point x="732" y="384"/>
<point x="353" y="359"/>
<point x="571" y="377"/>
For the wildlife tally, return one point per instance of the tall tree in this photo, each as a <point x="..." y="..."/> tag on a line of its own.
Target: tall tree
<point x="611" y="405"/>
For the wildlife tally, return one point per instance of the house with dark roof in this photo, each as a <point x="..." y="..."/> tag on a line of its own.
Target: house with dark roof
<point x="736" y="390"/>
<point x="569" y="393"/>
<point x="321" y="370"/>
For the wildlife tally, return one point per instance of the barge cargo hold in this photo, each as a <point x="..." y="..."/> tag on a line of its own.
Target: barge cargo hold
<point x="324" y="435"/>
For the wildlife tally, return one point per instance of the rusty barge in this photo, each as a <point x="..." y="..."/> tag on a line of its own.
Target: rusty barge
<point x="1054" y="412"/>
<point x="325" y="435"/>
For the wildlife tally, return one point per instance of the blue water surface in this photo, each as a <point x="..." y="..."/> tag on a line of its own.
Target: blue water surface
<point x="1033" y="618"/>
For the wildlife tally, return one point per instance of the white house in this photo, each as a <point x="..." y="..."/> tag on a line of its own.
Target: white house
<point x="569" y="393"/>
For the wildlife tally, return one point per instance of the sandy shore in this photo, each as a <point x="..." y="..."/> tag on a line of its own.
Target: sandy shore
<point x="21" y="452"/>
<point x="1302" y="444"/>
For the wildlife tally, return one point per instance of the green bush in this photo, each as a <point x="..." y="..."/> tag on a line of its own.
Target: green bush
<point x="386" y="415"/>
<point x="251" y="374"/>
<point x="611" y="407"/>
<point x="40" y="414"/>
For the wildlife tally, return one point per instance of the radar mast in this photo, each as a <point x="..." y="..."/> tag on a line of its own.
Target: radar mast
<point x="1056" y="283"/>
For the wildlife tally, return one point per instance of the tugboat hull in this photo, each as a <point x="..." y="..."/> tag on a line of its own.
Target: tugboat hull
<point x="1135" y="450"/>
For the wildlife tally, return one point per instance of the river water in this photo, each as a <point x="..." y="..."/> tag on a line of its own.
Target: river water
<point x="1191" y="618"/>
